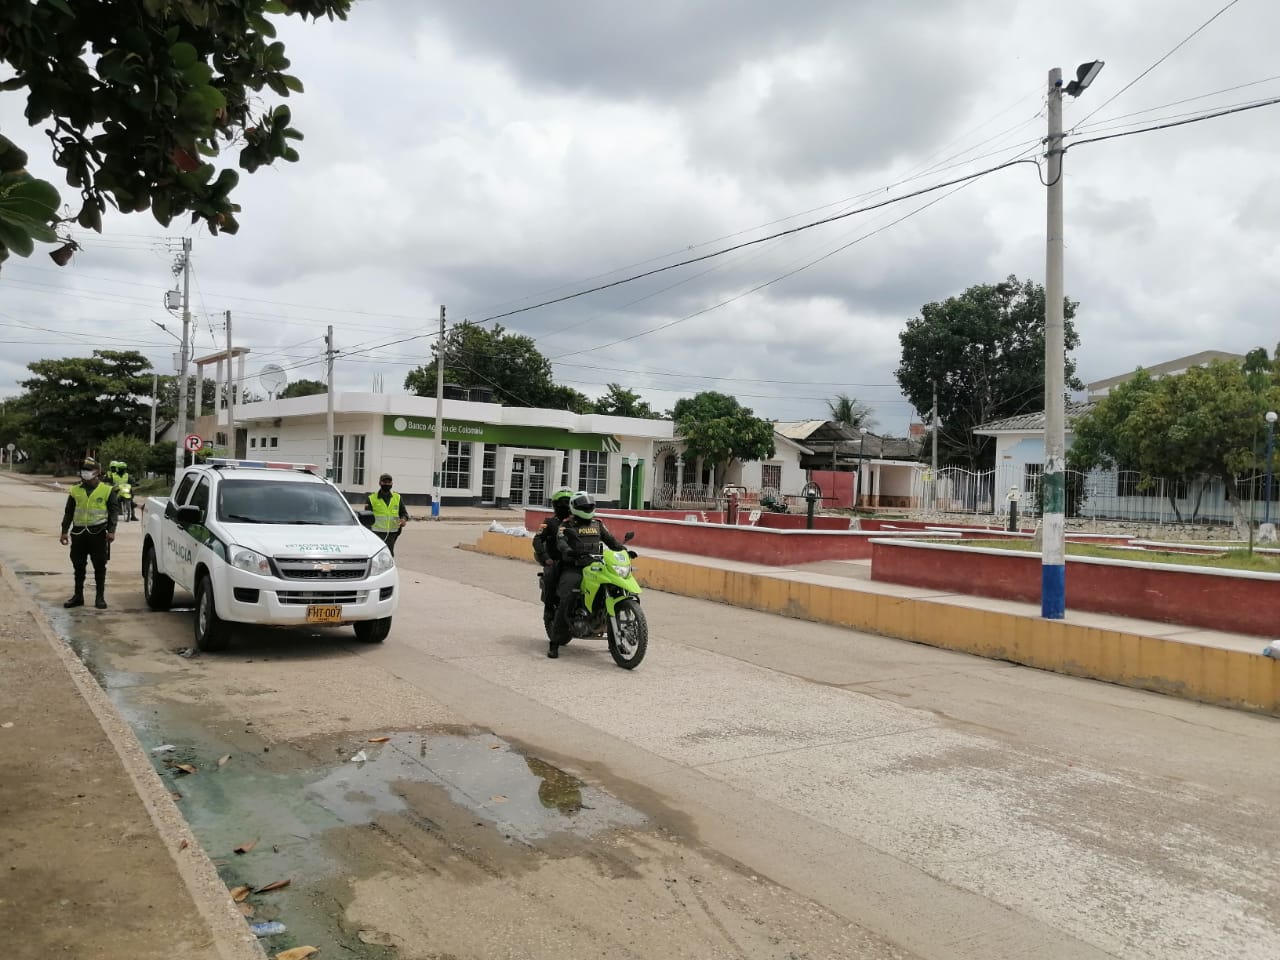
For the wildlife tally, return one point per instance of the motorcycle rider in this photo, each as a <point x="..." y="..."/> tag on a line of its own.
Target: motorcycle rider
<point x="578" y="539"/>
<point x="547" y="552"/>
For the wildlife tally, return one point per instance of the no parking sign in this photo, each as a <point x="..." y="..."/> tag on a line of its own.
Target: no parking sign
<point x="192" y="443"/>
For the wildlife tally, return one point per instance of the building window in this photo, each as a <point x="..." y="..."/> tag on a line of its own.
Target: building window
<point x="357" y="459"/>
<point x="564" y="472"/>
<point x="337" y="458"/>
<point x="253" y="442"/>
<point x="1031" y="474"/>
<point x="488" y="473"/>
<point x="275" y="442"/>
<point x="771" y="476"/>
<point x="593" y="471"/>
<point x="457" y="466"/>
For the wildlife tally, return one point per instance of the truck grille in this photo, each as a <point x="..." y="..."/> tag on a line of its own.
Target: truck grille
<point x="322" y="568"/>
<point x="308" y="597"/>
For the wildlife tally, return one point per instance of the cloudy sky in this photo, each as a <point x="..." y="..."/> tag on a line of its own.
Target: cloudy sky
<point x="488" y="156"/>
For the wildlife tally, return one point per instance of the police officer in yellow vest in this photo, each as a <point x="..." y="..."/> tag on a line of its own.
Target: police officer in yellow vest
<point x="89" y="524"/>
<point x="389" y="514"/>
<point x="118" y="476"/>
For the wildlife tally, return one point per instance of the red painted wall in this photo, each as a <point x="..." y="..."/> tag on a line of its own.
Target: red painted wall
<point x="1235" y="604"/>
<point x="837" y="487"/>
<point x="749" y="544"/>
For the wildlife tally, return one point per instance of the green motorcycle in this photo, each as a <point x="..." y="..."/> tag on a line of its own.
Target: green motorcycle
<point x="607" y="604"/>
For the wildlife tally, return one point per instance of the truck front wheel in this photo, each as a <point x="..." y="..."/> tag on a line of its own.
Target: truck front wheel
<point x="373" y="631"/>
<point x="212" y="632"/>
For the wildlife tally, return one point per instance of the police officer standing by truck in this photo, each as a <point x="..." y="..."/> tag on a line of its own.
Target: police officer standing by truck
<point x="389" y="514"/>
<point x="89" y="525"/>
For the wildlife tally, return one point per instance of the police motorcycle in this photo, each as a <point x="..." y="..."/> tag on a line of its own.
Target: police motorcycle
<point x="607" y="604"/>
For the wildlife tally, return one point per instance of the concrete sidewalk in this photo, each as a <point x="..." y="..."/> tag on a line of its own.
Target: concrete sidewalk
<point x="1225" y="669"/>
<point x="97" y="860"/>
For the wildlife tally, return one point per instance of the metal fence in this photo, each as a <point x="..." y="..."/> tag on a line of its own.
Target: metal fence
<point x="1097" y="494"/>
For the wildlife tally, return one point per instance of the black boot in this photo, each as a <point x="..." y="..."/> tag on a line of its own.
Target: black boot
<point x="553" y="650"/>
<point x="77" y="598"/>
<point x="99" y="600"/>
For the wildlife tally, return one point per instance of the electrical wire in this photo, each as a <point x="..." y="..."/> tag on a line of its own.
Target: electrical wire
<point x="1175" y="49"/>
<point x="1178" y="123"/>
<point x="1081" y="128"/>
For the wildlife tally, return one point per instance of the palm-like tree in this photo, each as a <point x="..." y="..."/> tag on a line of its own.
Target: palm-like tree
<point x="848" y="412"/>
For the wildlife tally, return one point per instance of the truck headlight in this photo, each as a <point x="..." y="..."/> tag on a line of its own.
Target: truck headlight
<point x="242" y="558"/>
<point x="383" y="562"/>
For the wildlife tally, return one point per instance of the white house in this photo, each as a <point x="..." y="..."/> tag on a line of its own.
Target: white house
<point x="492" y="454"/>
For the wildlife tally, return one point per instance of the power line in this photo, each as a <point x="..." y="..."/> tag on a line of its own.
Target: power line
<point x="1175" y="49"/>
<point x="1082" y="127"/>
<point x="749" y="243"/>
<point x="1177" y="123"/>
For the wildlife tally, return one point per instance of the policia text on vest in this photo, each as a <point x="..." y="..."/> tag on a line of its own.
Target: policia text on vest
<point x="389" y="514"/>
<point x="89" y="525"/>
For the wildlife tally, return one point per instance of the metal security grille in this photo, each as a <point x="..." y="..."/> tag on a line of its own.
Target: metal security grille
<point x="308" y="597"/>
<point x="327" y="568"/>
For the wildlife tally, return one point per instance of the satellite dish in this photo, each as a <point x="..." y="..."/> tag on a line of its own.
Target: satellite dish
<point x="273" y="379"/>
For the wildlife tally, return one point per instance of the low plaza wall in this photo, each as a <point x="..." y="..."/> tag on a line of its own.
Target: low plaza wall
<point x="1232" y="601"/>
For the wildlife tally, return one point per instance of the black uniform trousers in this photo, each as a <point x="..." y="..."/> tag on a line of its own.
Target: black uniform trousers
<point x="389" y="539"/>
<point x="90" y="546"/>
<point x="570" y="580"/>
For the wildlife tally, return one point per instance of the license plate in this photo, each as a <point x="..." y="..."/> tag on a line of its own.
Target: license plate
<point x="324" y="613"/>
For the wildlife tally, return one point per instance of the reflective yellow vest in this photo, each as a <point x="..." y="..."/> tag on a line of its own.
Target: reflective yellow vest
<point x="91" y="506"/>
<point x="386" y="516"/>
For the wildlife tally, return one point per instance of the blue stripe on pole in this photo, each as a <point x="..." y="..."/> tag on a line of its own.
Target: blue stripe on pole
<point x="1053" y="591"/>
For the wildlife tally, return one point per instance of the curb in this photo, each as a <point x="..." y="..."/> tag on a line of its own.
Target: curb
<point x="232" y="938"/>
<point x="1226" y="678"/>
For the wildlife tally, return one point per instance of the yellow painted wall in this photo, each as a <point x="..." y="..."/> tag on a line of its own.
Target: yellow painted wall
<point x="1228" y="678"/>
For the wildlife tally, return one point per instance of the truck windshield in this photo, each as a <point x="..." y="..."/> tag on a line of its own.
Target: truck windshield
<point x="273" y="501"/>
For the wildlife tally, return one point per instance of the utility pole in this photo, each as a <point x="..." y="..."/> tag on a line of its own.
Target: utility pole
<point x="933" y="492"/>
<point x="231" y="395"/>
<point x="438" y="473"/>
<point x="178" y="451"/>
<point x="1053" y="570"/>
<point x="155" y="399"/>
<point x="328" y="452"/>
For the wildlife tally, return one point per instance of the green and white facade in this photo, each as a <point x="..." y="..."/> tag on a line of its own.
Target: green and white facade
<point x="491" y="454"/>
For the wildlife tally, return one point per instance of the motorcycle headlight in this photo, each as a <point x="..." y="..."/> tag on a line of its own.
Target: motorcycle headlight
<point x="621" y="569"/>
<point x="242" y="558"/>
<point x="382" y="562"/>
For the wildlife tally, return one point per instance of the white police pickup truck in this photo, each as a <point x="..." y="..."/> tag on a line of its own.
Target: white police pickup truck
<point x="269" y="543"/>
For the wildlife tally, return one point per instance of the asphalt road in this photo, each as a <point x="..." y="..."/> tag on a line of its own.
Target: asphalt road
<point x="759" y="787"/>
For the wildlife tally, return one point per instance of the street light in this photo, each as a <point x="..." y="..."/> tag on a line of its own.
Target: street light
<point x="1272" y="416"/>
<point x="1053" y="571"/>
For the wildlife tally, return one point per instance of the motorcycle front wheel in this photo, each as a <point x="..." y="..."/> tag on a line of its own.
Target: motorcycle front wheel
<point x="628" y="643"/>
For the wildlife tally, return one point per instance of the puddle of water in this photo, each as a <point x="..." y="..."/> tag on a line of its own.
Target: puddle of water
<point x="525" y="798"/>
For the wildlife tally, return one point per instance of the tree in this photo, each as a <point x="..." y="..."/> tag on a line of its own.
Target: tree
<point x="1199" y="425"/>
<point x="621" y="402"/>
<point x="135" y="452"/>
<point x="75" y="403"/>
<point x="509" y="364"/>
<point x="718" y="428"/>
<point x="141" y="96"/>
<point x="303" y="388"/>
<point x="848" y="412"/>
<point x="985" y="351"/>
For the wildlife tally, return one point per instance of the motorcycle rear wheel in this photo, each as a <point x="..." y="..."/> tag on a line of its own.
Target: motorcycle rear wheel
<point x="629" y="648"/>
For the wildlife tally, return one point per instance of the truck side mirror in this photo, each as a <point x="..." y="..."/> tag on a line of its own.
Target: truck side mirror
<point x="188" y="515"/>
<point x="366" y="518"/>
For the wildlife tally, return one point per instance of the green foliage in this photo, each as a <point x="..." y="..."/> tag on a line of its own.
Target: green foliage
<point x="142" y="96"/>
<point x="303" y="388"/>
<point x="134" y="452"/>
<point x="160" y="458"/>
<point x="985" y="350"/>
<point x="1205" y="423"/>
<point x="621" y="402"/>
<point x="717" y="427"/>
<point x="508" y="364"/>
<point x="73" y="404"/>
<point x="848" y="412"/>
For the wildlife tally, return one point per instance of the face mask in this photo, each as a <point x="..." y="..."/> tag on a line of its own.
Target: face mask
<point x="86" y="474"/>
<point x="386" y="488"/>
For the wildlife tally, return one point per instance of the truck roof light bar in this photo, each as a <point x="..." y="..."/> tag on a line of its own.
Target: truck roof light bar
<point x="263" y="464"/>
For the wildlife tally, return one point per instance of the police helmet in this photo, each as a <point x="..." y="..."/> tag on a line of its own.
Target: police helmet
<point x="582" y="506"/>
<point x="564" y="493"/>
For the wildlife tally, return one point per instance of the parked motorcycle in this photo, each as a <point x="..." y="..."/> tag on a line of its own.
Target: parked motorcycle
<point x="770" y="502"/>
<point x="607" y="604"/>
